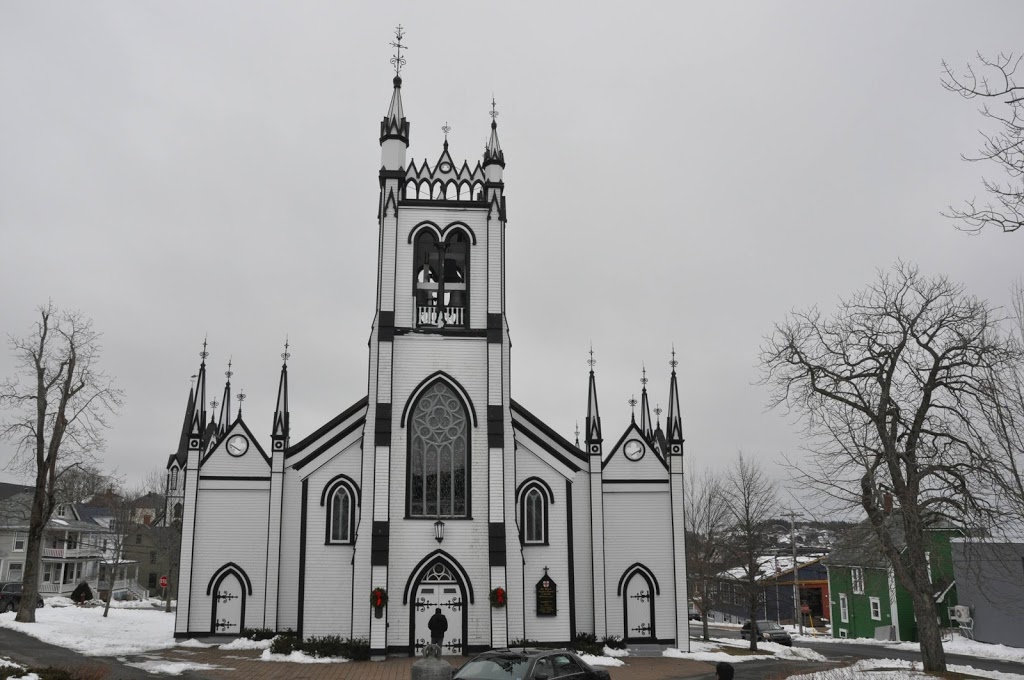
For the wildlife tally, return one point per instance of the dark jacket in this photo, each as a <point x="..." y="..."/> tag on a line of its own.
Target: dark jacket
<point x="438" y="624"/>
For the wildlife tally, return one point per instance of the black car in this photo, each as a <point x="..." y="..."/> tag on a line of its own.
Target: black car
<point x="10" y="596"/>
<point x="529" y="664"/>
<point x="767" y="631"/>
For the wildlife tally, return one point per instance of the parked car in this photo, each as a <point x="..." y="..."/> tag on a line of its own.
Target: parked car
<point x="529" y="664"/>
<point x="767" y="631"/>
<point x="10" y="596"/>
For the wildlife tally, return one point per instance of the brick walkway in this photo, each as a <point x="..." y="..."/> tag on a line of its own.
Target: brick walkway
<point x="235" y="665"/>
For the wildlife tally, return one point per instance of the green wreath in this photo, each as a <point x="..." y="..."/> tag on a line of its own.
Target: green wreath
<point x="499" y="597"/>
<point x="378" y="597"/>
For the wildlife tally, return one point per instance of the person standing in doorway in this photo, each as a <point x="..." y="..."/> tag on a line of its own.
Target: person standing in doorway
<point x="438" y="624"/>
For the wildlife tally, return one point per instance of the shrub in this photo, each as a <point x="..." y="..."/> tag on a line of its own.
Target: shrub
<point x="586" y="643"/>
<point x="258" y="633"/>
<point x="613" y="642"/>
<point x="357" y="649"/>
<point x="328" y="645"/>
<point x="285" y="643"/>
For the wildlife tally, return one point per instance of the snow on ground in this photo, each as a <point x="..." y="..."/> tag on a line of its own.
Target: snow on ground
<point x="246" y="643"/>
<point x="171" y="667"/>
<point x="608" y="651"/>
<point x="301" y="657"/>
<point x="894" y="669"/>
<point x="86" y="631"/>
<point x="601" y="660"/>
<point x="958" y="645"/>
<point x="709" y="651"/>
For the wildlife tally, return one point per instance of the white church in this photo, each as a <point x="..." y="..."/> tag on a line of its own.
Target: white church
<point x="436" y="489"/>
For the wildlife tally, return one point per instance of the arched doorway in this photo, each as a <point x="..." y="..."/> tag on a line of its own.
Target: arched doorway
<point x="438" y="586"/>
<point x="229" y="588"/>
<point x="638" y="606"/>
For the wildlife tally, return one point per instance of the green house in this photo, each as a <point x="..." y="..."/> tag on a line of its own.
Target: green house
<point x="865" y="599"/>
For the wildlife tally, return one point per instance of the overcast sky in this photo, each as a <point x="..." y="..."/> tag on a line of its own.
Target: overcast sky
<point x="676" y="173"/>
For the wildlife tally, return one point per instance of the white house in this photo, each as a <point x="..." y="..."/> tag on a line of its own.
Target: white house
<point x="437" y="487"/>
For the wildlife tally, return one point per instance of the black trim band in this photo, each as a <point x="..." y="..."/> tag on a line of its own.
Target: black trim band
<point x="572" y="568"/>
<point x="386" y="326"/>
<point x="379" y="544"/>
<point x="382" y="426"/>
<point x="496" y="540"/>
<point x="302" y="555"/>
<point x="494" y="328"/>
<point x="234" y="478"/>
<point x="495" y="427"/>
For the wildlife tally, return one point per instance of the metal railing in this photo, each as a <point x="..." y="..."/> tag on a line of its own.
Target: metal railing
<point x="428" y="316"/>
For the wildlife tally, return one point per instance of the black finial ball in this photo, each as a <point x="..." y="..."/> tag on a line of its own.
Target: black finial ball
<point x="398" y="81"/>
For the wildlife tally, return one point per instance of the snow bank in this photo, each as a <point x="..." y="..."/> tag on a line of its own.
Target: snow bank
<point x="710" y="652"/>
<point x="601" y="660"/>
<point x="608" y="651"/>
<point x="171" y="667"/>
<point x="300" y="657"/>
<point x="246" y="643"/>
<point x="85" y="630"/>
<point x="895" y="669"/>
<point x="958" y="645"/>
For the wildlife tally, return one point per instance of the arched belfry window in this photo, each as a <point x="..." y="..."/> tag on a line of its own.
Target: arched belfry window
<point x="340" y="515"/>
<point x="174" y="478"/>
<point x="438" y="477"/>
<point x="441" y="279"/>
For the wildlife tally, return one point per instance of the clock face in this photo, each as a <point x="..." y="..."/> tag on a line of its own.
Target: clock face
<point x="238" y="445"/>
<point x="633" y="449"/>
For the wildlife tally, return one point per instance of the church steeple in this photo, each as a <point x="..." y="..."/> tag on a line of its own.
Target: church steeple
<point x="593" y="417"/>
<point x="645" y="409"/>
<point x="281" y="412"/>
<point x="674" y="423"/>
<point x="494" y="157"/>
<point x="197" y="422"/>
<point x="394" y="129"/>
<point x="225" y="405"/>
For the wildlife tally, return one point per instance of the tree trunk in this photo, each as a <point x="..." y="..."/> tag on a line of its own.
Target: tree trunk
<point x="704" y="619"/>
<point x="753" y="619"/>
<point x="929" y="634"/>
<point x="33" y="563"/>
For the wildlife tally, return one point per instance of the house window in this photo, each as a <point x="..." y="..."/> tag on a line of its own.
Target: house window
<point x="19" y="541"/>
<point x="72" y="541"/>
<point x="138" y="539"/>
<point x="844" y="608"/>
<point x="47" y="572"/>
<point x="14" y="571"/>
<point x="61" y="511"/>
<point x="152" y="557"/>
<point x="174" y="478"/>
<point x="176" y="514"/>
<point x="876" y="608"/>
<point x="341" y="515"/>
<point x="535" y="517"/>
<point x="857" y="576"/>
<point x="843" y="633"/>
<point x="438" y="454"/>
<point x="152" y="580"/>
<point x="441" y="279"/>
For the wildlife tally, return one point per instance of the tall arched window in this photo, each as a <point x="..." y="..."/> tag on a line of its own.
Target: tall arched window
<point x="535" y="513"/>
<point x="340" y="515"/>
<point x="438" y="454"/>
<point x="176" y="513"/>
<point x="174" y="478"/>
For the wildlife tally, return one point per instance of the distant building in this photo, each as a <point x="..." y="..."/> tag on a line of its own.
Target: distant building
<point x="867" y="601"/>
<point x="775" y="585"/>
<point x="990" y="584"/>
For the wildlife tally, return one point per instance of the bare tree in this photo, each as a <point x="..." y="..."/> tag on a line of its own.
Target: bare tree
<point x="890" y="389"/>
<point x="120" y="509"/>
<point x="706" y="518"/>
<point x="751" y="501"/>
<point x="57" y="407"/>
<point x="166" y="535"/>
<point x="993" y="80"/>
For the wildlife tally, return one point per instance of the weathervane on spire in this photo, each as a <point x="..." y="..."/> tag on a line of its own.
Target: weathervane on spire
<point x="494" y="112"/>
<point x="643" y="380"/>
<point x="657" y="414"/>
<point x="632" y="405"/>
<point x="398" y="61"/>
<point x="241" y="398"/>
<point x="673" y="363"/>
<point x="446" y="128"/>
<point x="214" y="404"/>
<point x="228" y="373"/>
<point x="204" y="353"/>
<point x="285" y="355"/>
<point x="591" y="361"/>
<point x="577" y="434"/>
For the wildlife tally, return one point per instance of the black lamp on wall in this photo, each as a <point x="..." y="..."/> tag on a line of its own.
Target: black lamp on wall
<point x="439" y="530"/>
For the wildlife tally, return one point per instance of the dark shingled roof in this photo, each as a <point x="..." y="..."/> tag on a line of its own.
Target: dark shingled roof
<point x="860" y="547"/>
<point x="9" y="490"/>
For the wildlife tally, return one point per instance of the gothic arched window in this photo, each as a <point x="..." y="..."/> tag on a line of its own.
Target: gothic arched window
<point x="174" y="478"/>
<point x="441" y="279"/>
<point x="340" y="516"/>
<point x="535" y="517"/>
<point x="438" y="455"/>
<point x="176" y="513"/>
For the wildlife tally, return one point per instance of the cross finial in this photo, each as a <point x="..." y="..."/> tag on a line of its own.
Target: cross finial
<point x="673" y="363"/>
<point x="285" y="355"/>
<point x="398" y="61"/>
<point x="657" y="411"/>
<point x="214" y="404"/>
<point x="204" y="353"/>
<point x="643" y="380"/>
<point x="591" y="361"/>
<point x="241" y="398"/>
<point x="228" y="373"/>
<point x="632" y="403"/>
<point x="577" y="433"/>
<point x="446" y="128"/>
<point x="545" y="571"/>
<point x="494" y="107"/>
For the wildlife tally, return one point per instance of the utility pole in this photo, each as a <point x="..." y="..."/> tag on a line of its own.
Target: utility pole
<point x="797" y="612"/>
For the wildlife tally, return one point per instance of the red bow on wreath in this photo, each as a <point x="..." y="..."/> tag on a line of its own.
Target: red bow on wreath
<point x="498" y="597"/>
<point x="378" y="597"/>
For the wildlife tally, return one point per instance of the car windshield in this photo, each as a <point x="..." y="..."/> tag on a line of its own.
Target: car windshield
<point x="768" y="625"/>
<point x="494" y="668"/>
<point x="12" y="588"/>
